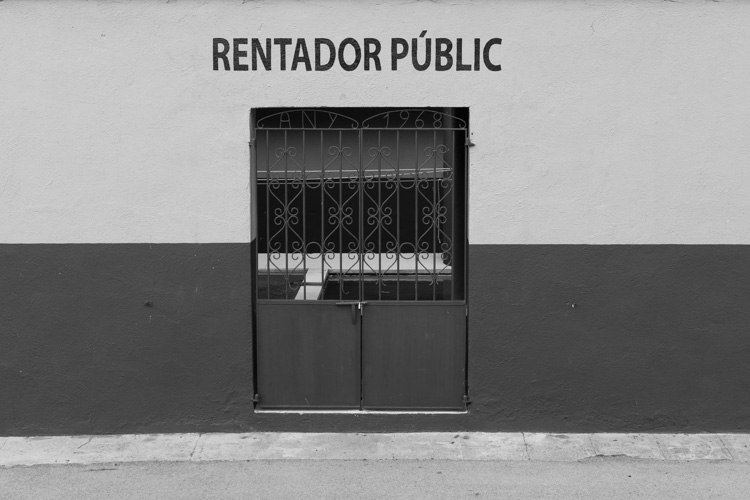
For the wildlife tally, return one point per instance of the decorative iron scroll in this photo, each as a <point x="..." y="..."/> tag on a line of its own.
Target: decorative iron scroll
<point x="359" y="213"/>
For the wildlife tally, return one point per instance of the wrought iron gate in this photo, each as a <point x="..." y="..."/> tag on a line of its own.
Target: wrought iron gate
<point x="360" y="234"/>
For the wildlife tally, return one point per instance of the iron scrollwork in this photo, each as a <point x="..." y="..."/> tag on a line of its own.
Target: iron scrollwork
<point x="362" y="210"/>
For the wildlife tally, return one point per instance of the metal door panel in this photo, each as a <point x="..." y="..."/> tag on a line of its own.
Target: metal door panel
<point x="308" y="355"/>
<point x="413" y="356"/>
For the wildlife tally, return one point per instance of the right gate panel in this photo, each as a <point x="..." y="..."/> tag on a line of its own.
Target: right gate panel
<point x="414" y="356"/>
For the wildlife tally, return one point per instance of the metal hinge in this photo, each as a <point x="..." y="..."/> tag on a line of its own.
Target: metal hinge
<point x="256" y="398"/>
<point x="251" y="143"/>
<point x="469" y="143"/>
<point x="466" y="401"/>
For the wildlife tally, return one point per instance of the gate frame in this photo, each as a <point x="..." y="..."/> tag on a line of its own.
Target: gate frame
<point x="253" y="182"/>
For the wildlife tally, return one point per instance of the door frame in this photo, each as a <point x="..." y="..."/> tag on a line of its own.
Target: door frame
<point x="254" y="250"/>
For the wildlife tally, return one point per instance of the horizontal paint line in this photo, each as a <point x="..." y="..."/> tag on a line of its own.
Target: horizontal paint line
<point x="247" y="241"/>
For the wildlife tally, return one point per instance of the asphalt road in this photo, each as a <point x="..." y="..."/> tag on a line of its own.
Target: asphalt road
<point x="343" y="479"/>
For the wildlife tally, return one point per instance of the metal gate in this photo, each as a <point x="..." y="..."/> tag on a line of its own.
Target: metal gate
<point x="360" y="238"/>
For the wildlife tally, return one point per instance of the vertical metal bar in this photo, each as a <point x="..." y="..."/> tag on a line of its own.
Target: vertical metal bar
<point x="454" y="208"/>
<point x="341" y="213"/>
<point x="398" y="216"/>
<point x="465" y="243"/>
<point x="435" y="214"/>
<point x="286" y="215"/>
<point x="254" y="238"/>
<point x="303" y="186"/>
<point x="361" y="218"/>
<point x="268" y="215"/>
<point x="465" y="210"/>
<point x="253" y="206"/>
<point x="379" y="220"/>
<point x="360" y="258"/>
<point x="322" y="213"/>
<point x="416" y="214"/>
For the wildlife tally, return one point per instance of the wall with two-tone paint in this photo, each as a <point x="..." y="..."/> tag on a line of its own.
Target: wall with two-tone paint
<point x="607" y="208"/>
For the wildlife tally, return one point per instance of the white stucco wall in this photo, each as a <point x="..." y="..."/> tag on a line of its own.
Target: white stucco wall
<point x="610" y="122"/>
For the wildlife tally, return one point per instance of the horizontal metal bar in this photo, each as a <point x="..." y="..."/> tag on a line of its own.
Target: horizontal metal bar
<point x="370" y="303"/>
<point x="426" y="129"/>
<point x="416" y="303"/>
<point x="332" y="410"/>
<point x="316" y="129"/>
<point x="335" y="262"/>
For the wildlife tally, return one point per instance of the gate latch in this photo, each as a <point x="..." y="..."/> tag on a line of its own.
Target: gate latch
<point x="354" y="306"/>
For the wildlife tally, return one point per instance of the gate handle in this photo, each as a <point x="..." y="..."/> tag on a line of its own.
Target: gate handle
<point x="354" y="306"/>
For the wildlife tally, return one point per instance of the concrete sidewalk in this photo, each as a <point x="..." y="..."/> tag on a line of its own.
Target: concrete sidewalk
<point x="400" y="446"/>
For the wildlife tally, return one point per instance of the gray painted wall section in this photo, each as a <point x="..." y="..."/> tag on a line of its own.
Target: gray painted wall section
<point x="658" y="340"/>
<point x="82" y="352"/>
<point x="158" y="338"/>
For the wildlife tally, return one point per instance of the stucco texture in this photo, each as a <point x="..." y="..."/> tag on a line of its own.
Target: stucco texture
<point x="610" y="122"/>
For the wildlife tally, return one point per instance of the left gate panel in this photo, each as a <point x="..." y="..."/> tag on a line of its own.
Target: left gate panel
<point x="308" y="356"/>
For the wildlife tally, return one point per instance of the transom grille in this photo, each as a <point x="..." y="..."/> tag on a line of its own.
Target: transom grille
<point x="366" y="204"/>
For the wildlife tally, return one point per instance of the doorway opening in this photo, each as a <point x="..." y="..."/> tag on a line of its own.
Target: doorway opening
<point x="359" y="224"/>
